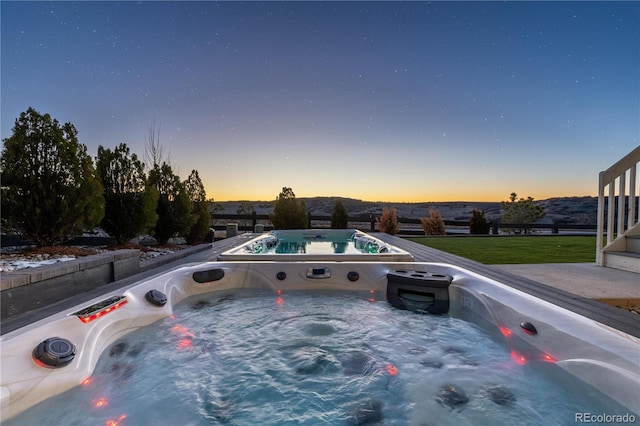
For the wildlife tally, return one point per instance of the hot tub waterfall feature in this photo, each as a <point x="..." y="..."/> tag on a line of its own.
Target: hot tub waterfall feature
<point x="419" y="291"/>
<point x="286" y="342"/>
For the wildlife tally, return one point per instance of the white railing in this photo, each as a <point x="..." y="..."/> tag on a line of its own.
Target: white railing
<point x="626" y="215"/>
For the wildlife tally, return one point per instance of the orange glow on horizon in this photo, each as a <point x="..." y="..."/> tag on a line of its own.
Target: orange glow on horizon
<point x="398" y="197"/>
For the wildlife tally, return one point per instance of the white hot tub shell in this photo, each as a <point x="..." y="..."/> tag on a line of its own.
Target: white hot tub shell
<point x="602" y="357"/>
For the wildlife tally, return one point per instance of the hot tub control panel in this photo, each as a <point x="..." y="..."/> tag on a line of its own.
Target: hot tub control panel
<point x="318" y="272"/>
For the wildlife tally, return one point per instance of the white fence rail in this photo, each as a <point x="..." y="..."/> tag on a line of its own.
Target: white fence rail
<point x="621" y="200"/>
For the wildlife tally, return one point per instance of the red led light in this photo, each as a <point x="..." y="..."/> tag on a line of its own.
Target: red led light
<point x="100" y="402"/>
<point x="86" y="381"/>
<point x="117" y="421"/>
<point x="278" y="292"/>
<point x="372" y="300"/>
<point x="518" y="358"/>
<point x="180" y="329"/>
<point x="548" y="358"/>
<point x="185" y="343"/>
<point x="505" y="331"/>
<point x="280" y="301"/>
<point x="391" y="369"/>
<point x="95" y="315"/>
<point x="371" y="291"/>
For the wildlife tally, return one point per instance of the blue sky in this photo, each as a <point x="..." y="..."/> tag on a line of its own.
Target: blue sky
<point x="391" y="101"/>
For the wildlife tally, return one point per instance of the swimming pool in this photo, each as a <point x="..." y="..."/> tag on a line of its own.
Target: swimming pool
<point x="522" y="352"/>
<point x="317" y="244"/>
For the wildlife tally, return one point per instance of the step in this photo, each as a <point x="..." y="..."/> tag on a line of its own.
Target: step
<point x="627" y="261"/>
<point x="633" y="243"/>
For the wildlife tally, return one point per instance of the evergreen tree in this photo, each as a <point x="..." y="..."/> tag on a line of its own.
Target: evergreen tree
<point x="130" y="205"/>
<point x="478" y="223"/>
<point x="174" y="207"/>
<point x="198" y="197"/>
<point x="339" y="216"/>
<point x="50" y="191"/>
<point x="287" y="212"/>
<point x="521" y="211"/>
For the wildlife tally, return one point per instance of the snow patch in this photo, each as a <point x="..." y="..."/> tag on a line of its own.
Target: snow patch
<point x="18" y="264"/>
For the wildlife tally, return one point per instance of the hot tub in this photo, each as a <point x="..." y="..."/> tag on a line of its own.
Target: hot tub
<point x="318" y="342"/>
<point x="316" y="244"/>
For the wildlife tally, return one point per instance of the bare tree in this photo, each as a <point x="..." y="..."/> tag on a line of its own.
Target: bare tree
<point x="154" y="151"/>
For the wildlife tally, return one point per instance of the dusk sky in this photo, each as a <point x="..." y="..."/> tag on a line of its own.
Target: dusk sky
<point x="387" y="101"/>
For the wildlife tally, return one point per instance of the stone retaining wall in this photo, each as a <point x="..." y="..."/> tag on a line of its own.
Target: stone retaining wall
<point x="32" y="288"/>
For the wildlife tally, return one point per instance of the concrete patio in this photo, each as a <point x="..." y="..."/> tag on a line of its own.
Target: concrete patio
<point x="583" y="279"/>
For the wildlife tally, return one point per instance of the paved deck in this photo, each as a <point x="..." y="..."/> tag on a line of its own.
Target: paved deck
<point x="583" y="279"/>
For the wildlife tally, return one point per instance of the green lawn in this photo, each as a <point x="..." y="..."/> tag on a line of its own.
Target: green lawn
<point x="517" y="249"/>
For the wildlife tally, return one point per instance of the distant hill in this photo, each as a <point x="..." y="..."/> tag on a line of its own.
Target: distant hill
<point x="579" y="210"/>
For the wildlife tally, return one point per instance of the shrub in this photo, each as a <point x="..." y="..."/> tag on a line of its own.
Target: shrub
<point x="202" y="225"/>
<point x="433" y="225"/>
<point x="339" y="216"/>
<point x="388" y="223"/>
<point x="287" y="212"/>
<point x="478" y="223"/>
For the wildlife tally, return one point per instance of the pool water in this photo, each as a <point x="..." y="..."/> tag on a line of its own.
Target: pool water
<point x="325" y="247"/>
<point x="323" y="358"/>
<point x="320" y="242"/>
<point x="316" y="244"/>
